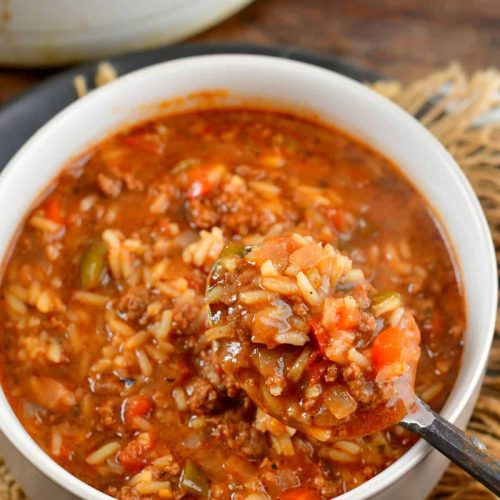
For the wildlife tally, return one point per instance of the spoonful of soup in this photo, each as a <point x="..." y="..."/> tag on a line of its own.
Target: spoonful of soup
<point x="314" y="345"/>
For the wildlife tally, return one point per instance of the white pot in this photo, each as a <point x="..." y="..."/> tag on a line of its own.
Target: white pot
<point x="54" y="32"/>
<point x="280" y="84"/>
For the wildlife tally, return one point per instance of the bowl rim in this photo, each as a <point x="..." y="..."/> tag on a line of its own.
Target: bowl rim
<point x="22" y="441"/>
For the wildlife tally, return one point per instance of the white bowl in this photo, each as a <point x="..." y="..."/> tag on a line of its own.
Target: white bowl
<point x="54" y="32"/>
<point x="281" y="84"/>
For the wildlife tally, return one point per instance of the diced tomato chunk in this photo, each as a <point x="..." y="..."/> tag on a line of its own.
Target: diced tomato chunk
<point x="53" y="210"/>
<point x="199" y="183"/>
<point x="64" y="453"/>
<point x="203" y="180"/>
<point x="147" y="143"/>
<point x="198" y="187"/>
<point x="387" y="347"/>
<point x="396" y="344"/>
<point x="342" y="221"/>
<point x="337" y="218"/>
<point x="347" y="319"/>
<point x="320" y="334"/>
<point x="137" y="406"/>
<point x="300" y="494"/>
<point x="396" y="351"/>
<point x="131" y="457"/>
<point x="164" y="225"/>
<point x="340" y="314"/>
<point x="262" y="332"/>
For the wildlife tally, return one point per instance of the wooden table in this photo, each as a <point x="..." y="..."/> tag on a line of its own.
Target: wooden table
<point x="402" y="39"/>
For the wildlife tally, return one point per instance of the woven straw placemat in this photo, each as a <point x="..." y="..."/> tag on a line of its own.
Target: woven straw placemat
<point x="455" y="108"/>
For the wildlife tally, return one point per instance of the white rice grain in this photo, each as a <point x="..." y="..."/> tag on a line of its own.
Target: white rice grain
<point x="206" y="250"/>
<point x="112" y="238"/>
<point x="396" y="316"/>
<point x="342" y="457"/>
<point x="307" y="290"/>
<point x="282" y="445"/>
<point x="19" y="292"/>
<point x="100" y="455"/>
<point x="43" y="224"/>
<point x="90" y="298"/>
<point x="160" y="204"/>
<point x="160" y="488"/>
<point x="387" y="305"/>
<point x="356" y="357"/>
<point x="179" y="396"/>
<point x="34" y="291"/>
<point x="114" y="263"/>
<point x="126" y="264"/>
<point x="118" y="326"/>
<point x="292" y="338"/>
<point x="348" y="447"/>
<point x="265" y="189"/>
<point x="267" y="270"/>
<point x="56" y="442"/>
<point x="282" y="285"/>
<point x="143" y="476"/>
<point x="137" y="340"/>
<point x="144" y="363"/>
<point x="88" y="202"/>
<point x="219" y="332"/>
<point x="255" y="296"/>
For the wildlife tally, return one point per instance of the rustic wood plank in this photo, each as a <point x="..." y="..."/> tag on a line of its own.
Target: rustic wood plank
<point x="403" y="39"/>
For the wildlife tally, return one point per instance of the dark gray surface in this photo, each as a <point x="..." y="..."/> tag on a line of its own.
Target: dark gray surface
<point x="23" y="116"/>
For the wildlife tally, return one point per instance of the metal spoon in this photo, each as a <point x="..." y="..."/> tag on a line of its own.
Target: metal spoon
<point x="465" y="451"/>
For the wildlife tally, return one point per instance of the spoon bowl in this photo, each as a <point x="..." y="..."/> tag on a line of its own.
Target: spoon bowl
<point x="309" y="339"/>
<point x="276" y="335"/>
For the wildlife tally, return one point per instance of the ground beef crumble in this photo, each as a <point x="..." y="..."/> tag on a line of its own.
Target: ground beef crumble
<point x="109" y="186"/>
<point x="238" y="212"/>
<point x="243" y="438"/>
<point x="134" y="302"/>
<point x="107" y="414"/>
<point x="202" y="396"/>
